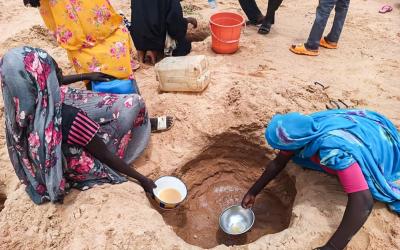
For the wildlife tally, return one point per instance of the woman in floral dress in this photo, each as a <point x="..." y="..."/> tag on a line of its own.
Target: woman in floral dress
<point x="59" y="137"/>
<point x="96" y="40"/>
<point x="93" y="34"/>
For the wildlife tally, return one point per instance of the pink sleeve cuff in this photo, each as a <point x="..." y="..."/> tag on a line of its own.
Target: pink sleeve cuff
<point x="286" y="153"/>
<point x="352" y="179"/>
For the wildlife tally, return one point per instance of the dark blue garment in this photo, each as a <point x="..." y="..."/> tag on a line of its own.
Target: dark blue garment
<point x="321" y="18"/>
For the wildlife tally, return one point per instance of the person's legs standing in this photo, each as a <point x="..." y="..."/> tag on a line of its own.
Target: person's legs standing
<point x="269" y="19"/>
<point x="273" y="5"/>
<point x="323" y="11"/>
<point x="251" y="10"/>
<point x="341" y="9"/>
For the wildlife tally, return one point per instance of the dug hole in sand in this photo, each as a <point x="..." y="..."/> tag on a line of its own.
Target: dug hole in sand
<point x="217" y="179"/>
<point x="218" y="136"/>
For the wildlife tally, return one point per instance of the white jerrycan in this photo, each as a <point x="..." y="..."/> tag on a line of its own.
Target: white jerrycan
<point x="184" y="73"/>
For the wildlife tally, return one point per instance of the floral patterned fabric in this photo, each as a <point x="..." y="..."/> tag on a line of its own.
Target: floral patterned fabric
<point x="33" y="107"/>
<point x="124" y="127"/>
<point x="341" y="138"/>
<point x="93" y="34"/>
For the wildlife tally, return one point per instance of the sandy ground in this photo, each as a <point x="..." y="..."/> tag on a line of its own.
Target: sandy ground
<point x="247" y="88"/>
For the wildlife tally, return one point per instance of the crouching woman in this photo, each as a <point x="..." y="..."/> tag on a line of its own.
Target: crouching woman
<point x="362" y="148"/>
<point x="60" y="137"/>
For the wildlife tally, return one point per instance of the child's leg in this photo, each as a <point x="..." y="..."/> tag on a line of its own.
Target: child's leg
<point x="341" y="9"/>
<point x="323" y="11"/>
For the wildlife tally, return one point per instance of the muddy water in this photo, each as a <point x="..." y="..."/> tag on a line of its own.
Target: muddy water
<point x="215" y="184"/>
<point x="170" y="195"/>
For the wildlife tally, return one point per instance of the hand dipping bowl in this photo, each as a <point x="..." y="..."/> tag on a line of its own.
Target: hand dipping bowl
<point x="236" y="220"/>
<point x="169" y="183"/>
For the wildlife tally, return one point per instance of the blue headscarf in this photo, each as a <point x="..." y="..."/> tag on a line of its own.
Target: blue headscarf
<point x="341" y="138"/>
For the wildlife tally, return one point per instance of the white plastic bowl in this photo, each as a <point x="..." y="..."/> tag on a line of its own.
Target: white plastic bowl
<point x="169" y="182"/>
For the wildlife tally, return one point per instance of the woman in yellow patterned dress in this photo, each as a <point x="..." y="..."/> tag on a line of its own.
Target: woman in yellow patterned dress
<point x="96" y="40"/>
<point x="93" y="34"/>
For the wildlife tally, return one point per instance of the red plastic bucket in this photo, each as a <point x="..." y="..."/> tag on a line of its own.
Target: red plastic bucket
<point x="225" y="30"/>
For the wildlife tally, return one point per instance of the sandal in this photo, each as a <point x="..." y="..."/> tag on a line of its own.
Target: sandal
<point x="328" y="45"/>
<point x="333" y="103"/>
<point x="302" y="50"/>
<point x="314" y="88"/>
<point x="161" y="124"/>
<point x="322" y="85"/>
<point x="345" y="104"/>
<point x="385" y="9"/>
<point x="264" y="29"/>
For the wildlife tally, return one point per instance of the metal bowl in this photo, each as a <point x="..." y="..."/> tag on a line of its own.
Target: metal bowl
<point x="236" y="220"/>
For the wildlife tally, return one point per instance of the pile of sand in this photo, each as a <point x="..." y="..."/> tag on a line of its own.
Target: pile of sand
<point x="247" y="88"/>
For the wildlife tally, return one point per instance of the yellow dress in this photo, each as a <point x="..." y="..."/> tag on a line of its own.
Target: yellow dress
<point x="93" y="35"/>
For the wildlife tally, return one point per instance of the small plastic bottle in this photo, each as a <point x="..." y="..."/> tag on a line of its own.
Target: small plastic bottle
<point x="212" y="3"/>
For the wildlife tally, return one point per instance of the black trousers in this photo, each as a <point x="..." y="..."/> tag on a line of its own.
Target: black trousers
<point x="253" y="12"/>
<point x="183" y="47"/>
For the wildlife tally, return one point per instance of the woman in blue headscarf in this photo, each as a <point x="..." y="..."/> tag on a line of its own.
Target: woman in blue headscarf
<point x="361" y="147"/>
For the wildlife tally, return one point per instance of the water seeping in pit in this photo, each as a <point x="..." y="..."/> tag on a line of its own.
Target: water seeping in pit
<point x="218" y="178"/>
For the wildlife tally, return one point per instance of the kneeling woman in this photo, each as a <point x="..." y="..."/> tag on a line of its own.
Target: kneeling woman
<point x="361" y="147"/>
<point x="152" y="20"/>
<point x="59" y="137"/>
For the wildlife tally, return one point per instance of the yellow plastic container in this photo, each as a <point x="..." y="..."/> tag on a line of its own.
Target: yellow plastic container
<point x="185" y="73"/>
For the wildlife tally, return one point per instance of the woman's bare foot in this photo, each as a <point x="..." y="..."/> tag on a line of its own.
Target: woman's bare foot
<point x="153" y="56"/>
<point x="141" y="54"/>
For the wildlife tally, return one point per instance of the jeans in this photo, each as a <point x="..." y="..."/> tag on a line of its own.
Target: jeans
<point x="253" y="13"/>
<point x="323" y="11"/>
